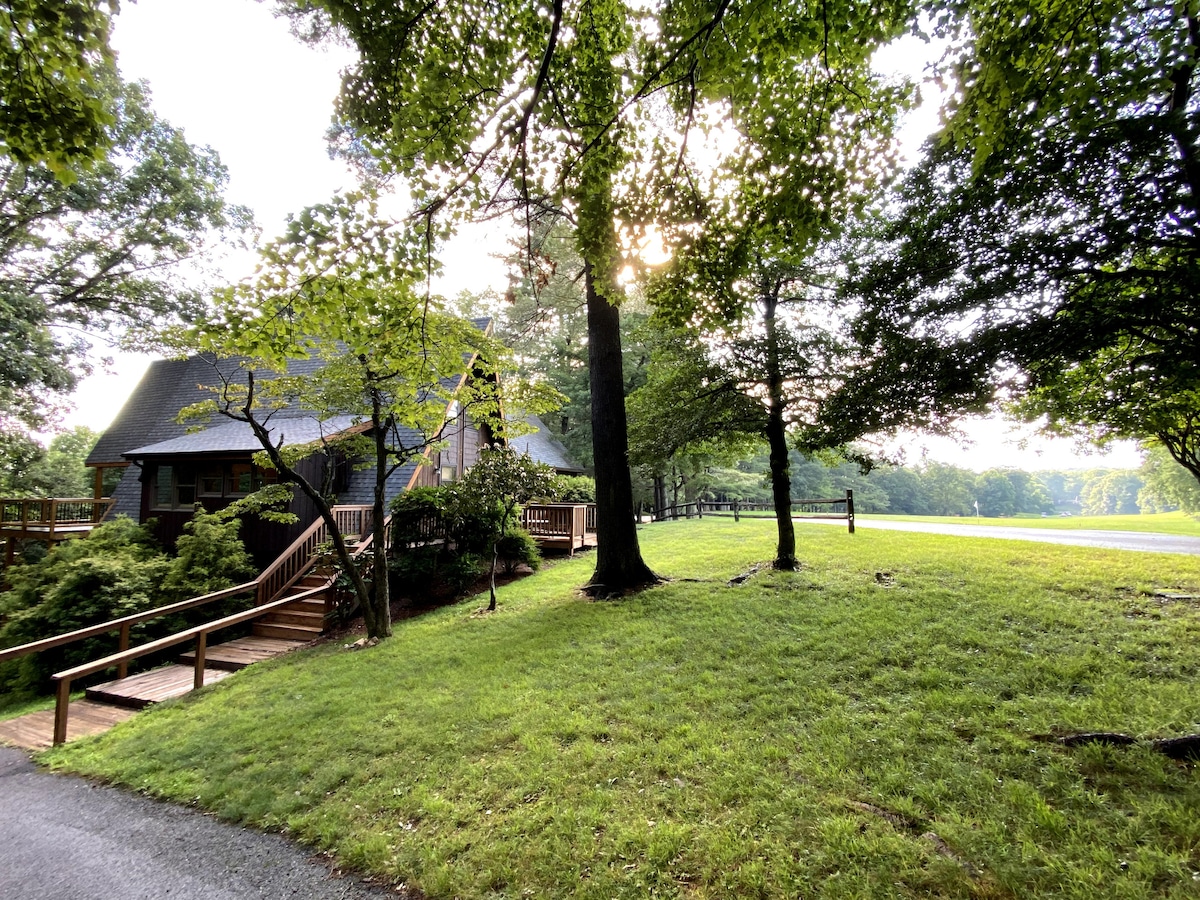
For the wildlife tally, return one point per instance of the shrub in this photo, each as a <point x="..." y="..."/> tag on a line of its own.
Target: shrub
<point x="573" y="489"/>
<point x="463" y="570"/>
<point x="518" y="548"/>
<point x="116" y="570"/>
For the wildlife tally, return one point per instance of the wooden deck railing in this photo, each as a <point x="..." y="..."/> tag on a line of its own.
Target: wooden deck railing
<point x="565" y="524"/>
<point x="123" y="625"/>
<point x="199" y="632"/>
<point x="47" y="516"/>
<point x="352" y="521"/>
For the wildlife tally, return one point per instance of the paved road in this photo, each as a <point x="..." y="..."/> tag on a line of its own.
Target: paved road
<point x="64" y="838"/>
<point x="1109" y="540"/>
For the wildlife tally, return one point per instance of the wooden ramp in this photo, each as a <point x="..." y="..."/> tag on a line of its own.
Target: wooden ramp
<point x="35" y="730"/>
<point x="139" y="691"/>
<point x="234" y="655"/>
<point x="115" y="701"/>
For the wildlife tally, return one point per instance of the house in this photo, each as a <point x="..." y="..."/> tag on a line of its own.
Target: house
<point x="168" y="468"/>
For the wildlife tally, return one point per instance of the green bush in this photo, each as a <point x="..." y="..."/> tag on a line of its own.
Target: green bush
<point x="420" y="514"/>
<point x="115" y="571"/>
<point x="573" y="489"/>
<point x="462" y="571"/>
<point x="518" y="548"/>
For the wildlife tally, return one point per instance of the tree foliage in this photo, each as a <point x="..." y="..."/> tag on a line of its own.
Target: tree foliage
<point x="1048" y="244"/>
<point x="585" y="110"/>
<point x="343" y="287"/>
<point x="54" y="65"/>
<point x="27" y="469"/>
<point x="101" y="254"/>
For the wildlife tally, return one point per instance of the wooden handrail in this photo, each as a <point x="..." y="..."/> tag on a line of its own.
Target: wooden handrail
<point x="200" y="632"/>
<point x="74" y="507"/>
<point x="123" y="623"/>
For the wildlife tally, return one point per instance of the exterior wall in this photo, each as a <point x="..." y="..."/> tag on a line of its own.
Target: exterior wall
<point x="264" y="540"/>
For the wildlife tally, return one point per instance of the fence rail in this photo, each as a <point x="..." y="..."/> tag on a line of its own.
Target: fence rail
<point x="801" y="509"/>
<point x="46" y="515"/>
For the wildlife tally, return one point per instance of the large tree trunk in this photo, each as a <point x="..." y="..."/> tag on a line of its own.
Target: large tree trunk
<point x="619" y="565"/>
<point x="781" y="480"/>
<point x="377" y="613"/>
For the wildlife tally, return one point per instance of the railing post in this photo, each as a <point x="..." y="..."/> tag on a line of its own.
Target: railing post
<point x="122" y="646"/>
<point x="201" y="650"/>
<point x="62" y="705"/>
<point x="850" y="509"/>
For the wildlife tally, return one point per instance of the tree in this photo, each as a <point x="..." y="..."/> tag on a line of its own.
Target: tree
<point x="995" y="494"/>
<point x="503" y="479"/>
<point x="1114" y="493"/>
<point x="343" y="289"/>
<point x="100" y="254"/>
<point x="580" y="110"/>
<point x="1169" y="484"/>
<point x="54" y="65"/>
<point x="1048" y="244"/>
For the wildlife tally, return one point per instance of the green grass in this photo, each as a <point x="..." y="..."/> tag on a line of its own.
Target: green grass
<point x="797" y="735"/>
<point x="1160" y="523"/>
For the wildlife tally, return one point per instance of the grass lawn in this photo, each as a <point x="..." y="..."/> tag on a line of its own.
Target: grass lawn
<point x="1160" y="523"/>
<point x="876" y="725"/>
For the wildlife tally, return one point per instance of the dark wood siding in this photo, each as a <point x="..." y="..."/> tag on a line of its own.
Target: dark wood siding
<point x="264" y="540"/>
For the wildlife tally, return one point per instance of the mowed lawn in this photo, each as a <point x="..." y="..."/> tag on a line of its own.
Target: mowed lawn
<point x="1157" y="523"/>
<point x="879" y="724"/>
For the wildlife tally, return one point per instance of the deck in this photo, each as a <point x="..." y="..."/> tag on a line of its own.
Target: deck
<point x="47" y="519"/>
<point x="108" y="704"/>
<point x="561" y="526"/>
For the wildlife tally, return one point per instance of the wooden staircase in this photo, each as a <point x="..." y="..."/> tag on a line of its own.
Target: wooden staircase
<point x="303" y="620"/>
<point x="284" y="627"/>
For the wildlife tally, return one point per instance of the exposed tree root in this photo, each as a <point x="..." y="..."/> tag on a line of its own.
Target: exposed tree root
<point x="746" y="576"/>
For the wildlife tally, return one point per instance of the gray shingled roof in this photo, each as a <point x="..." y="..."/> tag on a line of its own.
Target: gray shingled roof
<point x="542" y="446"/>
<point x="237" y="437"/>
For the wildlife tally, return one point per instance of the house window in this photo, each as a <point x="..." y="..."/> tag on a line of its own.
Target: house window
<point x="212" y="482"/>
<point x="177" y="487"/>
<point x="174" y="487"/>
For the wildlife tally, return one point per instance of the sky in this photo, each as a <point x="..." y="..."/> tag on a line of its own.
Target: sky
<point x="231" y="76"/>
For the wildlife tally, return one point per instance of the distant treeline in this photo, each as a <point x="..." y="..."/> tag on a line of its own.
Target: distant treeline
<point x="938" y="489"/>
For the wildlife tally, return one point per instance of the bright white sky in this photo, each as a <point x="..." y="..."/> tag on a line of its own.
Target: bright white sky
<point x="230" y="75"/>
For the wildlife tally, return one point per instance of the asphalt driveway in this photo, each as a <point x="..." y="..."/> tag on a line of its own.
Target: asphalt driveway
<point x="63" y="838"/>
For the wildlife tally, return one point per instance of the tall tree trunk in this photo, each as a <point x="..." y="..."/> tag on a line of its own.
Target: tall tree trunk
<point x="377" y="614"/>
<point x="619" y="565"/>
<point x="781" y="480"/>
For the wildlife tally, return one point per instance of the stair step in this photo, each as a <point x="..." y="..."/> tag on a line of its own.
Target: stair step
<point x="289" y="616"/>
<point x="237" y="654"/>
<point x="287" y="632"/>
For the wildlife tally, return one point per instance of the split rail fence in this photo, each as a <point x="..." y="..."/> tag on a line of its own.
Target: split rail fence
<point x="840" y="508"/>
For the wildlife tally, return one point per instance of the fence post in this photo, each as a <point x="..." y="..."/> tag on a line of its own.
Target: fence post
<point x="201" y="652"/>
<point x="62" y="705"/>
<point x="850" y="509"/>
<point x="122" y="646"/>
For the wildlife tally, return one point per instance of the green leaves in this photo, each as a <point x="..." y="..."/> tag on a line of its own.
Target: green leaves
<point x="55" y="64"/>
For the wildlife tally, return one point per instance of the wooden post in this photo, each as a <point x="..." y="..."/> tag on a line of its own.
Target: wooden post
<point x="201" y="650"/>
<point x="97" y="489"/>
<point x="62" y="705"/>
<point x="850" y="509"/>
<point x="122" y="646"/>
